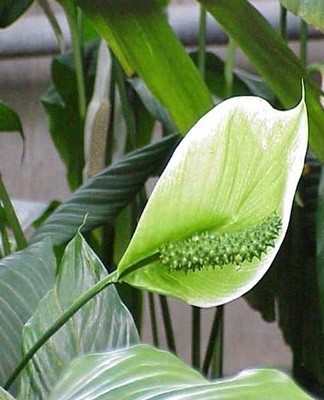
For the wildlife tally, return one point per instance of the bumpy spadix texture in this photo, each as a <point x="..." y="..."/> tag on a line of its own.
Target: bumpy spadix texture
<point x="229" y="184"/>
<point x="210" y="250"/>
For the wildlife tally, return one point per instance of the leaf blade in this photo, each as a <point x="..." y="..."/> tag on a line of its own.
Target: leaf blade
<point x="102" y="324"/>
<point x="160" y="375"/>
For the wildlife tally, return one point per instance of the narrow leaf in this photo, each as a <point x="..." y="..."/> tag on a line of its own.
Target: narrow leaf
<point x="106" y="194"/>
<point x="220" y="210"/>
<point x="102" y="324"/>
<point x="275" y="62"/>
<point x="142" y="372"/>
<point x="25" y="277"/>
<point x="140" y="36"/>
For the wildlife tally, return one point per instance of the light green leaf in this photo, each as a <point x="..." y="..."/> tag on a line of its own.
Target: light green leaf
<point x="310" y="11"/>
<point x="273" y="59"/>
<point x="5" y="395"/>
<point x="25" y="277"/>
<point x="142" y="372"/>
<point x="102" y="324"/>
<point x="238" y="167"/>
<point x="138" y="33"/>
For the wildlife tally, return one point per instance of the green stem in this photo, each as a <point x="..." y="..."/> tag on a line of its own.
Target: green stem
<point x="229" y="67"/>
<point x="213" y="349"/>
<point x="283" y="23"/>
<point x="11" y="217"/>
<point x="303" y="43"/>
<point x="4" y="234"/>
<point x="195" y="311"/>
<point x="72" y="14"/>
<point x="202" y="42"/>
<point x="196" y="336"/>
<point x="217" y="361"/>
<point x="155" y="335"/>
<point x="81" y="301"/>
<point x="54" y="24"/>
<point x="119" y="77"/>
<point x="167" y="324"/>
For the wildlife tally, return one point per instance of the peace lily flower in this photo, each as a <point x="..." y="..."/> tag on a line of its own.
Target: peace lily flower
<point x="220" y="210"/>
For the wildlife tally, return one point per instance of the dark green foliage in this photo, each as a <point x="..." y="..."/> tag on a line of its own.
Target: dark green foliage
<point x="61" y="104"/>
<point x="10" y="10"/>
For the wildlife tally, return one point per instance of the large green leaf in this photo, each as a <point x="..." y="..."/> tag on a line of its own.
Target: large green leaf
<point x="25" y="277"/>
<point x="102" y="324"/>
<point x="234" y="172"/>
<point x="142" y="372"/>
<point x="138" y="33"/>
<point x="10" y="10"/>
<point x="106" y="194"/>
<point x="273" y="59"/>
<point x="61" y="104"/>
<point x="310" y="10"/>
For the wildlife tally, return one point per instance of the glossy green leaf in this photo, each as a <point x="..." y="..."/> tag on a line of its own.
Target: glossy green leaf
<point x="9" y="120"/>
<point x="10" y="10"/>
<point x="102" y="324"/>
<point x="310" y="11"/>
<point x="236" y="167"/>
<point x="61" y="105"/>
<point x="106" y="194"/>
<point x="273" y="59"/>
<point x="142" y="372"/>
<point x="25" y="277"/>
<point x="140" y="36"/>
<point x="5" y="395"/>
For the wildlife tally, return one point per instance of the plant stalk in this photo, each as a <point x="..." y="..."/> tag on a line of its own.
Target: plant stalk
<point x="202" y="42"/>
<point x="195" y="311"/>
<point x="283" y="23"/>
<point x="4" y="236"/>
<point x="229" y="67"/>
<point x="167" y="324"/>
<point x="155" y="335"/>
<point x="303" y="43"/>
<point x="214" y="346"/>
<point x="217" y="360"/>
<point x="81" y="301"/>
<point x="11" y="217"/>
<point x="72" y="14"/>
<point x="196" y="337"/>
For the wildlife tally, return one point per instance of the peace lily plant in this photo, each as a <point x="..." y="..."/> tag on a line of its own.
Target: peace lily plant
<point x="209" y="232"/>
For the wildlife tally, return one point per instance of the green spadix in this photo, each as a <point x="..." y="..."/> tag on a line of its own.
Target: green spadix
<point x="221" y="208"/>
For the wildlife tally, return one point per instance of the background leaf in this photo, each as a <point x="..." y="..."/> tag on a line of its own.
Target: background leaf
<point x="102" y="324"/>
<point x="9" y="120"/>
<point x="10" y="10"/>
<point x="141" y="38"/>
<point x="309" y="10"/>
<point x="144" y="372"/>
<point x="61" y="104"/>
<point x="25" y="277"/>
<point x="106" y="194"/>
<point x="273" y="59"/>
